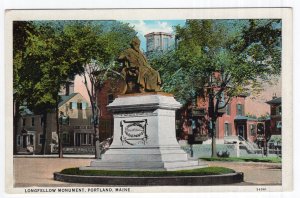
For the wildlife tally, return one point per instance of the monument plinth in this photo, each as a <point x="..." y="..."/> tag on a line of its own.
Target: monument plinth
<point x="144" y="135"/>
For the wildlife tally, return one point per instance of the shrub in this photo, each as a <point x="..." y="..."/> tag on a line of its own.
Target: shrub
<point x="223" y="154"/>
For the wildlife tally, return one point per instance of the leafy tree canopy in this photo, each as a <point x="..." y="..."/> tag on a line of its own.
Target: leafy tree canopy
<point x="245" y="52"/>
<point x="49" y="53"/>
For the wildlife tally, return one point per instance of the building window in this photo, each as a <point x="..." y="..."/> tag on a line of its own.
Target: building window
<point x="240" y="110"/>
<point x="24" y="121"/>
<point x="228" y="109"/>
<point x="65" y="138"/>
<point x="252" y="129"/>
<point x="166" y="43"/>
<point x="110" y="98"/>
<point x="54" y="137"/>
<point x="30" y="140"/>
<point x="79" y="105"/>
<point x="227" y="129"/>
<point x="73" y="105"/>
<point x="278" y="124"/>
<point x="41" y="139"/>
<point x="157" y="43"/>
<point x="42" y="121"/>
<point x="260" y="128"/>
<point x="273" y="110"/>
<point x="18" y="140"/>
<point x="32" y="121"/>
<point x="86" y="139"/>
<point x="84" y="105"/>
<point x="278" y="110"/>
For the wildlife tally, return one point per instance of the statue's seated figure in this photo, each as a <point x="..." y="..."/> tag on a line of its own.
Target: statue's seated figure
<point x="140" y="77"/>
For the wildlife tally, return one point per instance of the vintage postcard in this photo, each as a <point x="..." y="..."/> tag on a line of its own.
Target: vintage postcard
<point x="148" y="100"/>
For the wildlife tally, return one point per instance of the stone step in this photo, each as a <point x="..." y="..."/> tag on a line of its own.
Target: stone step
<point x="158" y="165"/>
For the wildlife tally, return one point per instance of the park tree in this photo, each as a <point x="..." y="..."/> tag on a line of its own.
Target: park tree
<point x="101" y="68"/>
<point x="48" y="65"/>
<point x="58" y="50"/>
<point x="221" y="59"/>
<point x="21" y="33"/>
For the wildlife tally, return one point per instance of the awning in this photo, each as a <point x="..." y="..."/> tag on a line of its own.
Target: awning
<point x="243" y="118"/>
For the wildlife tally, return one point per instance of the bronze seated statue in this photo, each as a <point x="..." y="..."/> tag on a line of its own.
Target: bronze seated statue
<point x="140" y="77"/>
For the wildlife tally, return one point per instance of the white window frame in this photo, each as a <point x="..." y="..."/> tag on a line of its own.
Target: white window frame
<point x="86" y="137"/>
<point x="226" y="126"/>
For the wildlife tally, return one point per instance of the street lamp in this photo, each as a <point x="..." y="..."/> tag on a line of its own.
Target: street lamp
<point x="63" y="120"/>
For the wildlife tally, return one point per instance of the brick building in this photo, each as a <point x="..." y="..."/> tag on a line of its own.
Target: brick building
<point x="274" y="135"/>
<point x="275" y="116"/>
<point x="232" y="124"/>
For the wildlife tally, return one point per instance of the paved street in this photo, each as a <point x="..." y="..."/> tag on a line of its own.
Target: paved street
<point x="255" y="173"/>
<point x="38" y="171"/>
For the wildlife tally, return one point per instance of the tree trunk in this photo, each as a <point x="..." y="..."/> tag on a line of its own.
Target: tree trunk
<point x="96" y="125"/>
<point x="16" y="126"/>
<point x="44" y="133"/>
<point x="97" y="132"/>
<point x="213" y="139"/>
<point x="58" y="129"/>
<point x="97" y="142"/>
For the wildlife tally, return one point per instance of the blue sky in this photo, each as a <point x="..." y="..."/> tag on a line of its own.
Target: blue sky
<point x="144" y="27"/>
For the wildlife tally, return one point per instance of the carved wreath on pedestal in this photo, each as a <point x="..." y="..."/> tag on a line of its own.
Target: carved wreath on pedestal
<point x="134" y="132"/>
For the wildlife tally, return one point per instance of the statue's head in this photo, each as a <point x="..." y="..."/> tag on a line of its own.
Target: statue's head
<point x="135" y="43"/>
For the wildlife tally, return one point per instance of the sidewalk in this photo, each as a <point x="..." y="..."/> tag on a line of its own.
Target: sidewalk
<point x="56" y="156"/>
<point x="38" y="171"/>
<point x="254" y="172"/>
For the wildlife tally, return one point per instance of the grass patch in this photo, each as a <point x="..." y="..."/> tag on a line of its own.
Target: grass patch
<point x="193" y="172"/>
<point x="245" y="159"/>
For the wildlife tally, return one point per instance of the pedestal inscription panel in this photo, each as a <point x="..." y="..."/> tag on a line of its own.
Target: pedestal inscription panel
<point x="134" y="132"/>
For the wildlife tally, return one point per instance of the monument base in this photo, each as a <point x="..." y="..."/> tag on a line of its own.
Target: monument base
<point x="144" y="136"/>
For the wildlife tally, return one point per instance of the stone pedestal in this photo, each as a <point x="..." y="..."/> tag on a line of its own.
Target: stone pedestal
<point x="144" y="135"/>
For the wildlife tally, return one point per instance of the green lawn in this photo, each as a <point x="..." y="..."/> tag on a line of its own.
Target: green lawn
<point x="244" y="159"/>
<point x="193" y="172"/>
